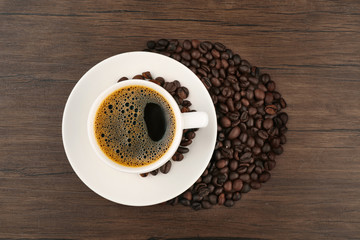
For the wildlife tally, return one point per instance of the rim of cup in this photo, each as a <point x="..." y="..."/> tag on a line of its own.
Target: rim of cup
<point x="173" y="146"/>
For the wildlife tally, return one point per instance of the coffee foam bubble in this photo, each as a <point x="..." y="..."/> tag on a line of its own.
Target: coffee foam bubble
<point x="121" y="131"/>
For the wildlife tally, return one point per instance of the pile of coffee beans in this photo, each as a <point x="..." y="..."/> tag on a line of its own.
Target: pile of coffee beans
<point x="251" y="123"/>
<point x="179" y="93"/>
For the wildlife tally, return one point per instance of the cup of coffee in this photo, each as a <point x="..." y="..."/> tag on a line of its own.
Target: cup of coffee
<point x="136" y="126"/>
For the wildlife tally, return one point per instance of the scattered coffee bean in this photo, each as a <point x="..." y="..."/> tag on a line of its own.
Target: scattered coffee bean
<point x="251" y="121"/>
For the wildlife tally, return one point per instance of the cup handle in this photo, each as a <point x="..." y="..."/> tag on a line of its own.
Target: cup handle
<point x="194" y="120"/>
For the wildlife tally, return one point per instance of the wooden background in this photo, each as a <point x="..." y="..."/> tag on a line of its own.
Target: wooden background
<point x="310" y="48"/>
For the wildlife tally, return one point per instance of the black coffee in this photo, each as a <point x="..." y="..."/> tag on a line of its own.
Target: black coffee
<point x="134" y="126"/>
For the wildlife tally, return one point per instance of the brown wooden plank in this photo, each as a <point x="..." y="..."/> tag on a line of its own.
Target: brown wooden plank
<point x="310" y="48"/>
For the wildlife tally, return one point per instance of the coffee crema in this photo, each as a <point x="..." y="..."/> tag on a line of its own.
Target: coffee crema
<point x="134" y="126"/>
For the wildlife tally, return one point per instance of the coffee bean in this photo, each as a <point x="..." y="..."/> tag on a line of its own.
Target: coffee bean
<point x="215" y="53"/>
<point x="278" y="151"/>
<point x="264" y="177"/>
<point x="254" y="176"/>
<point x="213" y="199"/>
<point x="185" y="202"/>
<point x="221" y="163"/>
<point x="268" y="123"/>
<point x="229" y="203"/>
<point x="233" y="175"/>
<point x="262" y="134"/>
<point x="187" y="195"/>
<point x="187" y="45"/>
<point x="220" y="47"/>
<point x="224" y="63"/>
<point x="221" y="199"/>
<point x="284" y="117"/>
<point x="178" y="156"/>
<point x="244" y="177"/>
<point x="259" y="94"/>
<point x="166" y="167"/>
<point x="228" y="186"/>
<point x="196" y="206"/>
<point x="206" y="204"/>
<point x="203" y="48"/>
<point x="255" y="185"/>
<point x="195" y="43"/>
<point x="265" y="78"/>
<point x="151" y="44"/>
<point x="269" y="98"/>
<point x="218" y="191"/>
<point x="282" y="139"/>
<point x="144" y="174"/>
<point x="234" y="133"/>
<point x="244" y="69"/>
<point x="271" y="86"/>
<point x="154" y="172"/>
<point x="237" y="185"/>
<point x="215" y="82"/>
<point x="271" y="109"/>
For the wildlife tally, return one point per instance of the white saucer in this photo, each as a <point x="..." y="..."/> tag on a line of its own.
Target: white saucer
<point x="124" y="188"/>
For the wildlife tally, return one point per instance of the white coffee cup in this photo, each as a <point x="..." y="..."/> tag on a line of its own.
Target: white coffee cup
<point x="187" y="120"/>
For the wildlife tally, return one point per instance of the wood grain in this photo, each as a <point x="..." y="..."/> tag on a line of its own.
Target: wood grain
<point x="310" y="48"/>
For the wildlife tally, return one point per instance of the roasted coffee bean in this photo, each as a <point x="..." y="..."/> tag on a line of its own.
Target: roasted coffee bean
<point x="255" y="185"/>
<point x="187" y="195"/>
<point x="218" y="191"/>
<point x="271" y="109"/>
<point x="187" y="45"/>
<point x="254" y="176"/>
<point x="228" y="186"/>
<point x="195" y="43"/>
<point x="246" y="188"/>
<point x="275" y="142"/>
<point x="236" y="196"/>
<point x="269" y="98"/>
<point x="278" y="151"/>
<point x="221" y="199"/>
<point x="207" y="179"/>
<point x="268" y="123"/>
<point x="177" y="157"/>
<point x="213" y="199"/>
<point x="244" y="177"/>
<point x="196" y="205"/>
<point x="282" y="139"/>
<point x="264" y="177"/>
<point x="233" y="175"/>
<point x="144" y="174"/>
<point x="265" y="78"/>
<point x="284" y="117"/>
<point x="206" y="204"/>
<point x="229" y="203"/>
<point x="269" y="165"/>
<point x="266" y="148"/>
<point x="220" y="47"/>
<point x="259" y="94"/>
<point x="262" y="134"/>
<point x="185" y="202"/>
<point x="237" y="185"/>
<point x="182" y="150"/>
<point x="190" y="135"/>
<point x="234" y="133"/>
<point x="122" y="79"/>
<point x="154" y="172"/>
<point x="166" y="167"/>
<point x="138" y="77"/>
<point x="151" y="44"/>
<point x="222" y="163"/>
<point x="215" y="53"/>
<point x="242" y="169"/>
<point x="271" y="86"/>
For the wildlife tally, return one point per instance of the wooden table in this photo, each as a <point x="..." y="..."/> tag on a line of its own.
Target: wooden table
<point x="310" y="48"/>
